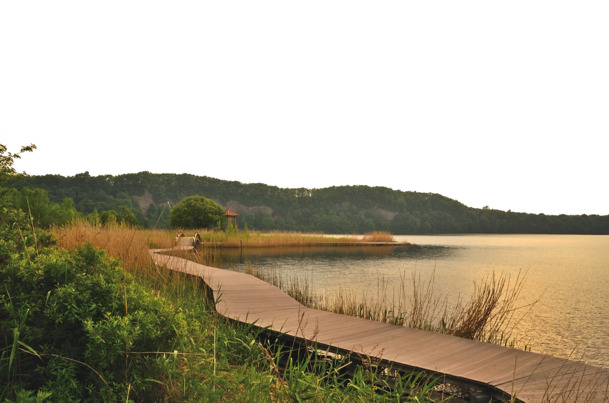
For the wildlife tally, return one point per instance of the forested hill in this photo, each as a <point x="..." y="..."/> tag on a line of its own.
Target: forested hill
<point x="344" y="209"/>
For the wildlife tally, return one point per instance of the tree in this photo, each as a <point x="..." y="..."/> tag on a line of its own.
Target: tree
<point x="125" y="216"/>
<point x="94" y="218"/>
<point x="6" y="161"/>
<point x="196" y="212"/>
<point x="7" y="171"/>
<point x="108" y="217"/>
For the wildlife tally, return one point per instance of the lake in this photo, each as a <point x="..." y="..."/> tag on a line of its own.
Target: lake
<point x="567" y="274"/>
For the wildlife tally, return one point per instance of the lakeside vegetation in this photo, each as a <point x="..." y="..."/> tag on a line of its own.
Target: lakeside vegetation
<point x="144" y="199"/>
<point x="490" y="313"/>
<point x="232" y="238"/>
<point x="86" y="316"/>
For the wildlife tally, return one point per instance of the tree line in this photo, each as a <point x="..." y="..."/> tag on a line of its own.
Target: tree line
<point x="145" y="199"/>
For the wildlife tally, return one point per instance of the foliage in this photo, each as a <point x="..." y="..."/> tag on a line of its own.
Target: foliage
<point x="17" y="235"/>
<point x="44" y="213"/>
<point x="34" y="201"/>
<point x="7" y="160"/>
<point x="76" y="325"/>
<point x="196" y="212"/>
<point x="8" y="172"/>
<point x="344" y="209"/>
<point x="124" y="216"/>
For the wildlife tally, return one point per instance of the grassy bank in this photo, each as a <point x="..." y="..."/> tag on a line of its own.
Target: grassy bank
<point x="192" y="354"/>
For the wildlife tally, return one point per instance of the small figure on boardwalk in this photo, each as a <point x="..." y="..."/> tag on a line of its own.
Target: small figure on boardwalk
<point x="196" y="240"/>
<point x="177" y="238"/>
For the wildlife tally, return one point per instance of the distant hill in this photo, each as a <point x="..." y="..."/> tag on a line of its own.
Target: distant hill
<point x="341" y="209"/>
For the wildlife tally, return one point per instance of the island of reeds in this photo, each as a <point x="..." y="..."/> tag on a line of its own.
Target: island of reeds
<point x="247" y="239"/>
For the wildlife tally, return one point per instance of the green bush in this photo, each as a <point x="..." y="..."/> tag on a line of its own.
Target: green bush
<point x="74" y="324"/>
<point x="196" y="212"/>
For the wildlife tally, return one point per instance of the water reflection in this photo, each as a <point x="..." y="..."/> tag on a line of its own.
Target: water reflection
<point x="235" y="258"/>
<point x="569" y="273"/>
<point x="428" y="252"/>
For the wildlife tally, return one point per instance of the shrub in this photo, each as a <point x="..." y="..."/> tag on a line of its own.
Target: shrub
<point x="196" y="212"/>
<point x="85" y="330"/>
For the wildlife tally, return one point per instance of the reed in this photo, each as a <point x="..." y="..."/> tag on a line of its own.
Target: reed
<point x="247" y="239"/>
<point x="490" y="314"/>
<point x="275" y="239"/>
<point x="493" y="310"/>
<point x="222" y="361"/>
<point x="128" y="244"/>
<point x="378" y="236"/>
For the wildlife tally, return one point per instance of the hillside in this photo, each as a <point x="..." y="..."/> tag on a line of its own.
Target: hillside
<point x="344" y="209"/>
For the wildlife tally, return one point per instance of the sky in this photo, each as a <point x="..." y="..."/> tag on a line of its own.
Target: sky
<point x="498" y="104"/>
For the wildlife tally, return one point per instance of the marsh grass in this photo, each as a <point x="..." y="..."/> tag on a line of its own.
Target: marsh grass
<point x="378" y="236"/>
<point x="247" y="239"/>
<point x="490" y="314"/>
<point x="222" y="361"/>
<point x="493" y="310"/>
<point x="128" y="244"/>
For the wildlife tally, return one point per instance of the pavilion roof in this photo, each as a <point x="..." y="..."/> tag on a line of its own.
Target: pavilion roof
<point x="230" y="213"/>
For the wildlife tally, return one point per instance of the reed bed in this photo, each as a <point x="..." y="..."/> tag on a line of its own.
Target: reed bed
<point x="246" y="239"/>
<point x="378" y="236"/>
<point x="228" y="362"/>
<point x="490" y="314"/>
<point x="128" y="244"/>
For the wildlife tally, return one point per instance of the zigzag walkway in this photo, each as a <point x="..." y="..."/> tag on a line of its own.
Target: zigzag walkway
<point x="502" y="372"/>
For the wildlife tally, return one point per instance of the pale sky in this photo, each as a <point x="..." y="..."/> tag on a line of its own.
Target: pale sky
<point x="504" y="104"/>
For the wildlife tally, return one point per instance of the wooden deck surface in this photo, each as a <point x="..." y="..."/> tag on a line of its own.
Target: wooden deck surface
<point x="531" y="377"/>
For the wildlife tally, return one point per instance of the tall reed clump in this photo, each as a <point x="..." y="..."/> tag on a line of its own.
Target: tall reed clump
<point x="492" y="311"/>
<point x="490" y="314"/>
<point x="128" y="244"/>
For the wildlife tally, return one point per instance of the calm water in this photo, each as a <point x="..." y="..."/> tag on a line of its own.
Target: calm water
<point x="569" y="274"/>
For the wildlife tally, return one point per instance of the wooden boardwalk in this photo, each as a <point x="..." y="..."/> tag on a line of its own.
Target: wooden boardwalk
<point x="502" y="372"/>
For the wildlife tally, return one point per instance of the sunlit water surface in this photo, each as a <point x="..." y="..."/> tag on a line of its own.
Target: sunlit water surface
<point x="569" y="274"/>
